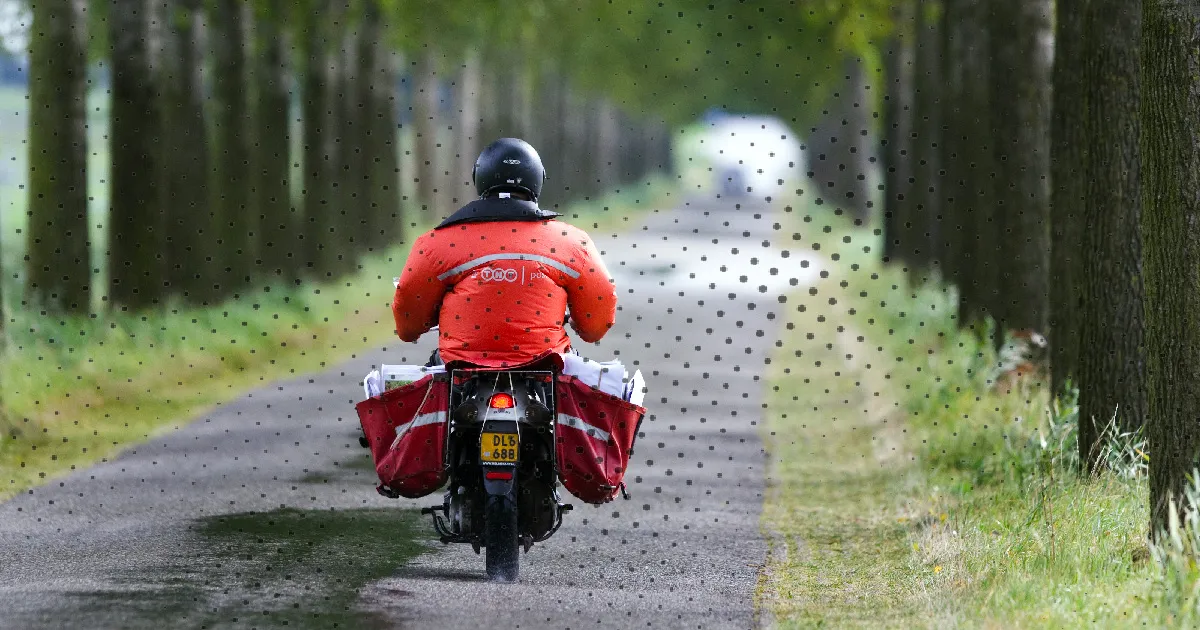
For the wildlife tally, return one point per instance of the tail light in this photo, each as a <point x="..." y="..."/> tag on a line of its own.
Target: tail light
<point x="501" y="401"/>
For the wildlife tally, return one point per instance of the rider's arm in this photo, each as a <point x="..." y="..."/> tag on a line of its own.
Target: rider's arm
<point x="419" y="293"/>
<point x="592" y="297"/>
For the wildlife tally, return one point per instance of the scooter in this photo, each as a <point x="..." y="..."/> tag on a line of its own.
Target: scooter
<point x="500" y="452"/>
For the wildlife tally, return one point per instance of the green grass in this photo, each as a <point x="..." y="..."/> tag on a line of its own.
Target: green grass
<point x="977" y="518"/>
<point x="1029" y="543"/>
<point x="836" y="515"/>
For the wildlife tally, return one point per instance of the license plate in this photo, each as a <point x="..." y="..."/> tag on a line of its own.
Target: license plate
<point x="498" y="448"/>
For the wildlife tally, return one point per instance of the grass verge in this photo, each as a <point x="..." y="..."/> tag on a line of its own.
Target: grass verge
<point x="908" y="489"/>
<point x="1027" y="542"/>
<point x="836" y="515"/>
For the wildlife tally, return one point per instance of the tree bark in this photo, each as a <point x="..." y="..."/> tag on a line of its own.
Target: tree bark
<point x="1068" y="153"/>
<point x="384" y="185"/>
<point x="335" y="257"/>
<point x="352" y="208"/>
<point x="841" y="168"/>
<point x="926" y="149"/>
<point x="58" y="268"/>
<point x="608" y="138"/>
<point x="323" y="232"/>
<point x="277" y="245"/>
<point x="1170" y="109"/>
<point x="494" y="106"/>
<point x="549" y="139"/>
<point x="953" y="146"/>
<point x="589" y="176"/>
<point x="135" y="223"/>
<point x="315" y="188"/>
<point x="574" y="165"/>
<point x="188" y="218"/>
<point x="425" y="103"/>
<point x="467" y="139"/>
<point x="1111" y="362"/>
<point x="978" y="289"/>
<point x="1021" y="71"/>
<point x="231" y="183"/>
<point x="897" y="138"/>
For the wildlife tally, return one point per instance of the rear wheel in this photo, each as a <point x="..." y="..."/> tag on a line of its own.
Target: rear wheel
<point x="503" y="559"/>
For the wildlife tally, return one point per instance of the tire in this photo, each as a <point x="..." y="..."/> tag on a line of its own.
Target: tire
<point x="502" y="555"/>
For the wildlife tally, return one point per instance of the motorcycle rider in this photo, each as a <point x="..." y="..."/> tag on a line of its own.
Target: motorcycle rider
<point x="498" y="276"/>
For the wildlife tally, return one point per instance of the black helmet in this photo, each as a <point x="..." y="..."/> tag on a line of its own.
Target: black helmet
<point x="509" y="164"/>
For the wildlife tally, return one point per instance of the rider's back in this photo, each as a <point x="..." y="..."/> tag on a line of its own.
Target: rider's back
<point x="503" y="288"/>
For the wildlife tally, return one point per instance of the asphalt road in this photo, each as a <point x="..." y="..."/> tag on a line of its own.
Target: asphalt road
<point x="699" y="299"/>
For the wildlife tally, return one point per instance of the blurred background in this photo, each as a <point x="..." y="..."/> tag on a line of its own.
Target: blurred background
<point x="999" y="197"/>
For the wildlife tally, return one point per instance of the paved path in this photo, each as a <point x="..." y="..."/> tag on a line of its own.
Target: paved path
<point x="699" y="306"/>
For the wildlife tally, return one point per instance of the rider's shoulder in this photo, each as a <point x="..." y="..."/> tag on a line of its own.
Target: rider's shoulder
<point x="569" y="231"/>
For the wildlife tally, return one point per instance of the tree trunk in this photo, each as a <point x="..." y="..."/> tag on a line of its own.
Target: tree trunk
<point x="573" y="144"/>
<point x="315" y="189"/>
<point x="467" y="139"/>
<point x="953" y="173"/>
<point x="549" y="140"/>
<point x="1170" y="145"/>
<point x="1068" y="153"/>
<point x="978" y="290"/>
<point x="338" y="229"/>
<point x="383" y="192"/>
<point x="425" y="103"/>
<point x="589" y="175"/>
<point x="1021" y="67"/>
<point x="323" y="231"/>
<point x="897" y="139"/>
<point x="1111" y="362"/>
<point x="352" y="209"/>
<point x="926" y="149"/>
<point x="57" y="245"/>
<point x="135" y="222"/>
<point x="277" y="245"/>
<point x="231" y="183"/>
<point x="183" y="155"/>
<point x="524" y="104"/>
<point x="493" y="103"/>
<point x="608" y="138"/>
<point x="858" y="162"/>
<point x="841" y="168"/>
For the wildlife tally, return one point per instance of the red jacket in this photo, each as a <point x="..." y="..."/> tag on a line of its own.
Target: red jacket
<point x="498" y="289"/>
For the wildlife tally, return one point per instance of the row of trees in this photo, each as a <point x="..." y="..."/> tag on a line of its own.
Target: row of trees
<point x="1044" y="157"/>
<point x="261" y="118"/>
<point x="204" y="199"/>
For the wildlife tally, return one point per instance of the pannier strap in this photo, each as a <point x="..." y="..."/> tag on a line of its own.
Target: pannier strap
<point x="419" y="419"/>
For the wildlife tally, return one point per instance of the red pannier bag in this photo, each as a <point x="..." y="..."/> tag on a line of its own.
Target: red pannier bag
<point x="594" y="434"/>
<point x="406" y="431"/>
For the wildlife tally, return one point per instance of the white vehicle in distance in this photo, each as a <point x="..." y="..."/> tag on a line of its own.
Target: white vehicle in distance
<point x="741" y="157"/>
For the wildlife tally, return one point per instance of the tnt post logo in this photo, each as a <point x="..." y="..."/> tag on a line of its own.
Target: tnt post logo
<point x="498" y="274"/>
